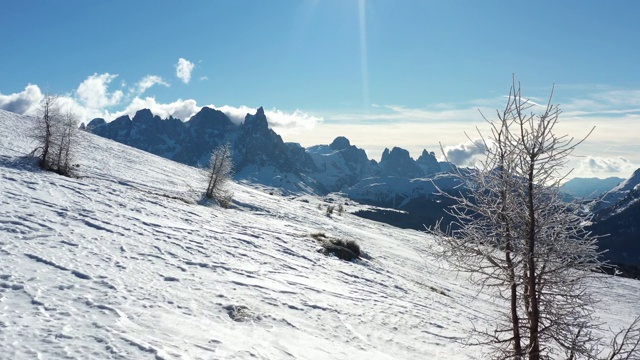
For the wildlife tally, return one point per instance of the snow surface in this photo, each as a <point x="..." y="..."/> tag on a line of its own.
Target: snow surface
<point x="125" y="262"/>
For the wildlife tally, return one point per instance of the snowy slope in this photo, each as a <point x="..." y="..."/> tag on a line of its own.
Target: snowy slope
<point x="619" y="193"/>
<point x="123" y="263"/>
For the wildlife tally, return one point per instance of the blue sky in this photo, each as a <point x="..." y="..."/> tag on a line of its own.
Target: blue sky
<point x="381" y="72"/>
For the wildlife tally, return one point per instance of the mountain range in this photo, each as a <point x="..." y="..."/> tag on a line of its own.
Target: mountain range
<point x="617" y="215"/>
<point x="589" y="188"/>
<point x="398" y="182"/>
<point x="261" y="155"/>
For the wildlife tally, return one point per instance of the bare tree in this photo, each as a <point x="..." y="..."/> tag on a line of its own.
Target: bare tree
<point x="44" y="129"/>
<point x="67" y="140"/>
<point x="516" y="236"/>
<point x="220" y="171"/>
<point x="57" y="135"/>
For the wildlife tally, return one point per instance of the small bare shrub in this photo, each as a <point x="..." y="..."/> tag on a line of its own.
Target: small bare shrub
<point x="353" y="246"/>
<point x="330" y="209"/>
<point x="346" y="250"/>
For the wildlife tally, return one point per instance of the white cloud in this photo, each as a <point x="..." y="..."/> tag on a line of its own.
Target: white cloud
<point x="610" y="102"/>
<point x="463" y="154"/>
<point x="93" y="99"/>
<point x="236" y="114"/>
<point x="148" y="81"/>
<point x="181" y="109"/>
<point x="67" y="103"/>
<point x="25" y="102"/>
<point x="287" y="122"/>
<point x="281" y="121"/>
<point x="204" y="78"/>
<point x="93" y="92"/>
<point x="603" y="166"/>
<point x="184" y="68"/>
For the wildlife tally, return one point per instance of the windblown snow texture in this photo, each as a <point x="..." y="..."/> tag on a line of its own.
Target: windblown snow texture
<point x="122" y="262"/>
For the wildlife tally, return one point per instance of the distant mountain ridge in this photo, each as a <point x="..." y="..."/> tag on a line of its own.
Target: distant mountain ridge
<point x="617" y="220"/>
<point x="589" y="188"/>
<point x="188" y="142"/>
<point x="261" y="154"/>
<point x="619" y="197"/>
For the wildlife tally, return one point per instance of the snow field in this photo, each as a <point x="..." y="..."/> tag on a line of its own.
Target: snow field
<point x="125" y="262"/>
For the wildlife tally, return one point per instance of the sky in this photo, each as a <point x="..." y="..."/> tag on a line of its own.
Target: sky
<point x="383" y="73"/>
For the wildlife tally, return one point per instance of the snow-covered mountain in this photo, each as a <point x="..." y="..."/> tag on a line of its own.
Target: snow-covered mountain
<point x="396" y="191"/>
<point x="589" y="188"/>
<point x="340" y="164"/>
<point x="620" y="196"/>
<point x="621" y="230"/>
<point x="617" y="218"/>
<point x="259" y="153"/>
<point x="125" y="262"/>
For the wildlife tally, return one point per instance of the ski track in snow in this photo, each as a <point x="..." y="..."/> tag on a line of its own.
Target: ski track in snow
<point x="122" y="263"/>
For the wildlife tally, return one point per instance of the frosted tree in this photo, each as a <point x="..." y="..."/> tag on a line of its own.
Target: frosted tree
<point x="516" y="236"/>
<point x="57" y="135"/>
<point x="44" y="129"/>
<point x="66" y="140"/>
<point x="220" y="171"/>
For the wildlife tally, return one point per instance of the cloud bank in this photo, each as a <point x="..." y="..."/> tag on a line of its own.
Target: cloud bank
<point x="93" y="92"/>
<point x="24" y="102"/>
<point x="604" y="166"/>
<point x="180" y="109"/>
<point x="184" y="68"/>
<point x="93" y="99"/>
<point x="463" y="154"/>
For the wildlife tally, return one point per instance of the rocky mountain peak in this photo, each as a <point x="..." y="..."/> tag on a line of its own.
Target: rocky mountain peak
<point x="258" y="120"/>
<point x="340" y="143"/>
<point x="428" y="162"/>
<point x="144" y="115"/>
<point x="398" y="162"/>
<point x="634" y="179"/>
<point x="95" y="123"/>
<point x="258" y="145"/>
<point x="385" y="155"/>
<point x="208" y="117"/>
<point x="121" y="119"/>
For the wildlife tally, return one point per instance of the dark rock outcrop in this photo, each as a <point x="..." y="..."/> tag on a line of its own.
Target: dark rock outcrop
<point x="428" y="163"/>
<point x="398" y="162"/>
<point x="256" y="144"/>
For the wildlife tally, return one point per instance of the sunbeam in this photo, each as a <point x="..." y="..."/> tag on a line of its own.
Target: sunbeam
<point x="364" y="62"/>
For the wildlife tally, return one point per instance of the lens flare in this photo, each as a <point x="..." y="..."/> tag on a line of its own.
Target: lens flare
<point x="364" y="62"/>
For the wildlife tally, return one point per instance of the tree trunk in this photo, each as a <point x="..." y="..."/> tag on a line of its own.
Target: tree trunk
<point x="534" y="312"/>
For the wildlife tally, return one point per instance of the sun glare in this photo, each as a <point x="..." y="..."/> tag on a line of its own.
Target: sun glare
<point x="364" y="61"/>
